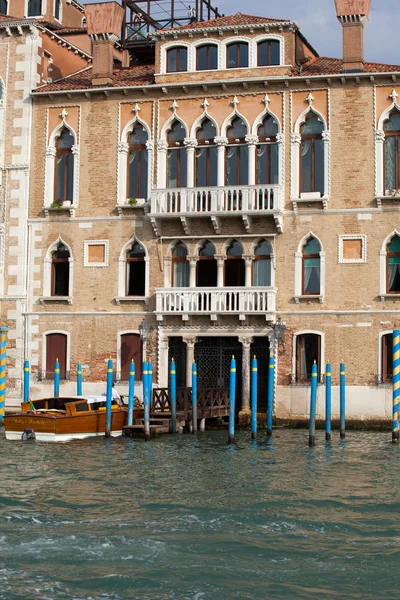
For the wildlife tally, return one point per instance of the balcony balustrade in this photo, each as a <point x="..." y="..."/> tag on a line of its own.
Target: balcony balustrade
<point x="215" y="202"/>
<point x="242" y="302"/>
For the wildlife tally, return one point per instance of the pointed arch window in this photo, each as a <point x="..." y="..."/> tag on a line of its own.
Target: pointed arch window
<point x="311" y="267"/>
<point x="237" y="155"/>
<point x="206" y="266"/>
<point x="237" y="55"/>
<point x="207" y="57"/>
<point x="393" y="265"/>
<point x="180" y="266"/>
<point x="206" y="156"/>
<point x="177" y="59"/>
<point x="268" y="152"/>
<point x="137" y="179"/>
<point x="136" y="270"/>
<point x="3" y="7"/>
<point x="312" y="168"/>
<point x="34" y="8"/>
<point x="268" y="53"/>
<point x="176" y="156"/>
<point x="64" y="167"/>
<point x="234" y="265"/>
<point x="60" y="274"/>
<point x="262" y="264"/>
<point x="392" y="151"/>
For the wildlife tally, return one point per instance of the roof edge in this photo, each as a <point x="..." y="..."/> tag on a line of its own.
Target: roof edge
<point x="173" y="32"/>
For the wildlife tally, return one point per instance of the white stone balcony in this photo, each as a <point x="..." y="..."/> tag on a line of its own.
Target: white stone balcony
<point x="216" y="202"/>
<point x="214" y="302"/>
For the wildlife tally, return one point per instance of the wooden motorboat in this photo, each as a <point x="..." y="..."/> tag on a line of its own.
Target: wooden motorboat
<point x="64" y="419"/>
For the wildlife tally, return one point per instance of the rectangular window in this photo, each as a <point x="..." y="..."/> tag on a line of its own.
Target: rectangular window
<point x="95" y="253"/>
<point x="312" y="276"/>
<point x="387" y="358"/>
<point x="352" y="249"/>
<point x="308" y="350"/>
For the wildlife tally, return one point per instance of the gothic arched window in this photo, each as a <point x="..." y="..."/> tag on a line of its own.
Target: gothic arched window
<point x="64" y="167"/>
<point x="267" y="152"/>
<point x="180" y="266"/>
<point x="237" y="156"/>
<point x="206" y="165"/>
<point x="137" y="180"/>
<point x="262" y="264"/>
<point x="60" y="271"/>
<point x="312" y="160"/>
<point x="136" y="270"/>
<point x="176" y="156"/>
<point x="234" y="265"/>
<point x="393" y="265"/>
<point x="392" y="151"/>
<point x="311" y="267"/>
<point x="206" y="266"/>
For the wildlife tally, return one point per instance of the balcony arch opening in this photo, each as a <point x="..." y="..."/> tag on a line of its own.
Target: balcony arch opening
<point x="206" y="267"/>
<point x="234" y="265"/>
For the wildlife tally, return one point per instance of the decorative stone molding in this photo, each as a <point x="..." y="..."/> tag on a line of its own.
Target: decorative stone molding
<point x="362" y="259"/>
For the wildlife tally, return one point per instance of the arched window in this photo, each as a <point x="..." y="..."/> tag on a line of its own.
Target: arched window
<point x="176" y="157"/>
<point x="136" y="270"/>
<point x="268" y="152"/>
<point x="262" y="264"/>
<point x="64" y="167"/>
<point x="393" y="265"/>
<point x="308" y="350"/>
<point x="206" y="266"/>
<point x="177" y="59"/>
<point x="207" y="57"/>
<point x="312" y="169"/>
<point x="57" y="9"/>
<point x="237" y="55"/>
<point x="268" y="53"/>
<point x="34" y="8"/>
<point x="3" y="7"/>
<point x="311" y="267"/>
<point x="392" y="151"/>
<point x="180" y="266"/>
<point x="131" y="349"/>
<point x="386" y="358"/>
<point x="60" y="271"/>
<point x="237" y="156"/>
<point x="137" y="163"/>
<point x="206" y="165"/>
<point x="234" y="265"/>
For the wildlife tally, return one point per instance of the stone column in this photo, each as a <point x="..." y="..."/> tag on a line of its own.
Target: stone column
<point x="246" y="366"/>
<point x="190" y="342"/>
<point x="190" y="144"/>
<point x="221" y="142"/>
<point x="220" y="271"/>
<point x="123" y="149"/>
<point x="163" y="361"/>
<point x="252" y="141"/>
<point x="326" y="136"/>
<point x="192" y="272"/>
<point x="379" y="145"/>
<point x="295" y="140"/>
<point x="162" y="147"/>
<point x="167" y="271"/>
<point x="75" y="190"/>
<point x="248" y="263"/>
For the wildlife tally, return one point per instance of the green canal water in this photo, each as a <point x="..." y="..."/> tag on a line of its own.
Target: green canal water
<point x="189" y="518"/>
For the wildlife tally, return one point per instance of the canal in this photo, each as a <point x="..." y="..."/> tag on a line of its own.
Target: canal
<point x="189" y="518"/>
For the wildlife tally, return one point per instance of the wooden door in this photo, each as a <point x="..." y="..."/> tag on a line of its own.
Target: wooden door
<point x="131" y="348"/>
<point x="56" y="347"/>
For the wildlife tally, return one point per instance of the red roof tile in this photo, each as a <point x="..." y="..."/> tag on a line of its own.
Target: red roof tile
<point x="228" y="21"/>
<point x="333" y="66"/>
<point x="125" y="77"/>
<point x="70" y="30"/>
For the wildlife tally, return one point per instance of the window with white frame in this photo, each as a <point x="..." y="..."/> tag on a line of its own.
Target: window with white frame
<point x="177" y="59"/>
<point x="237" y="55"/>
<point x="268" y="53"/>
<point x="267" y="165"/>
<point x="95" y="253"/>
<point x="386" y="357"/>
<point x="237" y="154"/>
<point x="352" y="249"/>
<point x="176" y="156"/>
<point x="34" y="8"/>
<point x="310" y="269"/>
<point x="262" y="268"/>
<point x="57" y="9"/>
<point x="3" y="7"/>
<point x="207" y="57"/>
<point x="392" y="152"/>
<point x="206" y="156"/>
<point x="133" y="273"/>
<point x="62" y="166"/>
<point x="307" y="351"/>
<point x="180" y="266"/>
<point x="389" y="266"/>
<point x="58" y="271"/>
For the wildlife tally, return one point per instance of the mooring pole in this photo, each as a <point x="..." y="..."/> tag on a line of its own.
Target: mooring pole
<point x="26" y="380"/>
<point x="232" y="395"/>
<point x="328" y="401"/>
<point x="342" y="401"/>
<point x="57" y="379"/>
<point x="313" y="404"/>
<point x="131" y="393"/>
<point x="270" y="403"/>
<point x="194" y="397"/>
<point x="150" y="373"/>
<point x="172" y="394"/>
<point x="146" y="401"/>
<point x="3" y="368"/>
<point x="254" y="398"/>
<point x="396" y="386"/>
<point x="79" y="379"/>
<point x="107" y="432"/>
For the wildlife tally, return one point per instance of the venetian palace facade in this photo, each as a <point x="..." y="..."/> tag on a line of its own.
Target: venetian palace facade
<point x="213" y="179"/>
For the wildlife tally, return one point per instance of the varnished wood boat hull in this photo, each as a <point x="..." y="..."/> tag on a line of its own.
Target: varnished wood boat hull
<point x="62" y="428"/>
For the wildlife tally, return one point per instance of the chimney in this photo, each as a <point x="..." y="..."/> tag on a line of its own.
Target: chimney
<point x="352" y="14"/>
<point x="103" y="23"/>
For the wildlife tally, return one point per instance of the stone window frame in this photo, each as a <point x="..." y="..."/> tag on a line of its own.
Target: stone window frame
<point x="60" y="17"/>
<point x="381" y="335"/>
<point x="86" y="245"/>
<point x="122" y="161"/>
<point x="298" y="271"/>
<point x="383" y="269"/>
<point x="296" y="334"/>
<point x="42" y="15"/>
<point x="352" y="261"/>
<point x="44" y="348"/>
<point x="47" y="267"/>
<point x="222" y="50"/>
<point x="122" y="262"/>
<point x="380" y="192"/>
<point x="295" y="143"/>
<point x="51" y="151"/>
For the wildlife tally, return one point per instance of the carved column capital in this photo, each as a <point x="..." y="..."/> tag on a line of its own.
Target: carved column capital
<point x="280" y="138"/>
<point x="190" y="142"/>
<point x="379" y="136"/>
<point x="220" y="141"/>
<point x="75" y="149"/>
<point x="251" y="140"/>
<point x="123" y="147"/>
<point x="162" y="146"/>
<point x="326" y="136"/>
<point x="51" y="151"/>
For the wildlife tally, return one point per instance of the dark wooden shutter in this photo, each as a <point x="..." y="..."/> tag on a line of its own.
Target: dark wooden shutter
<point x="56" y="347"/>
<point x="131" y="348"/>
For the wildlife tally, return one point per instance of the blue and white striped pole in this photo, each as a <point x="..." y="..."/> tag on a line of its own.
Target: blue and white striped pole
<point x="107" y="432"/>
<point x="57" y="379"/>
<point x="194" y="397"/>
<point x="79" y="379"/>
<point x="254" y="374"/>
<point x="342" y="401"/>
<point x="232" y="395"/>
<point x="328" y="401"/>
<point x="172" y="394"/>
<point x="3" y="368"/>
<point x="396" y="386"/>
<point x="26" y="380"/>
<point x="271" y="383"/>
<point x="131" y="394"/>
<point x="146" y="401"/>
<point x="313" y="404"/>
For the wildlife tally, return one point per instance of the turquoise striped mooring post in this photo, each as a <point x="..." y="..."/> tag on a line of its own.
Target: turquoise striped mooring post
<point x="131" y="393"/>
<point x="254" y="374"/>
<point x="342" y="401"/>
<point x="313" y="404"/>
<point x="396" y="386"/>
<point x="328" y="401"/>
<point x="107" y="432"/>
<point x="271" y="383"/>
<point x="26" y="380"/>
<point x="194" y="397"/>
<point x="79" y="379"/>
<point x="146" y="401"/>
<point x="3" y="368"/>
<point x="172" y="394"/>
<point x="57" y="379"/>
<point x="232" y="395"/>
